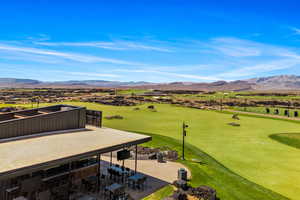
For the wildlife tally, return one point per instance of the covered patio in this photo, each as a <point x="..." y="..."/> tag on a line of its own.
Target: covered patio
<point x="68" y="164"/>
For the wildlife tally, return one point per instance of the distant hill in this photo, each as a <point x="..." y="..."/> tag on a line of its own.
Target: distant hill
<point x="101" y="83"/>
<point x="29" y="83"/>
<point x="282" y="82"/>
<point x="14" y="82"/>
<point x="215" y="86"/>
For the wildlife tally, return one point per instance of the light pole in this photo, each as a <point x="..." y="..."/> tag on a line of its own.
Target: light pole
<point x="184" y="126"/>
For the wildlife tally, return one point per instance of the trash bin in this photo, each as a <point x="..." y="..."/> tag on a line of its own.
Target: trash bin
<point x="182" y="174"/>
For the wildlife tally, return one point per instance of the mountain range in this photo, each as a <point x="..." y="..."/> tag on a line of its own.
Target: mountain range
<point x="281" y="82"/>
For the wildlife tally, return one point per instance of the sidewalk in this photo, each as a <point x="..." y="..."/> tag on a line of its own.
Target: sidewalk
<point x="264" y="115"/>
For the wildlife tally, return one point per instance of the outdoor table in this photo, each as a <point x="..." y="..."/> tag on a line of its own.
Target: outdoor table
<point x="122" y="172"/>
<point x="114" y="188"/>
<point x="136" y="178"/>
<point x="118" y="169"/>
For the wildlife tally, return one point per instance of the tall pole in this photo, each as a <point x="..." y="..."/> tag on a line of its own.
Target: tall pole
<point x="135" y="162"/>
<point x="110" y="164"/>
<point x="98" y="172"/>
<point x="184" y="126"/>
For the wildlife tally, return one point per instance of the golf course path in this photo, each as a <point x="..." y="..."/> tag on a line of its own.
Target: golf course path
<point x="166" y="171"/>
<point x="264" y="115"/>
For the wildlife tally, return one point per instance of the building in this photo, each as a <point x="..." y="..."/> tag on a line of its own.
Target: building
<point x="41" y="148"/>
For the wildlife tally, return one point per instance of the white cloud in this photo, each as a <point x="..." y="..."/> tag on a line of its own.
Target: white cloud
<point x="103" y="45"/>
<point x="172" y="74"/>
<point x="118" y="45"/>
<point x="296" y="30"/>
<point x="65" y="55"/>
<point x="225" y="58"/>
<point x="89" y="74"/>
<point x="260" y="68"/>
<point x="39" y="37"/>
<point x="236" y="47"/>
<point x="251" y="58"/>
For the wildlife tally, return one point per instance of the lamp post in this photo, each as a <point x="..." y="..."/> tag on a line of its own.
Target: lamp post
<point x="184" y="126"/>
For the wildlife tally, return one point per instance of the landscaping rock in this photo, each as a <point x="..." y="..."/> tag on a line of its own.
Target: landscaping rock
<point x="114" y="117"/>
<point x="234" y="124"/>
<point x="203" y="192"/>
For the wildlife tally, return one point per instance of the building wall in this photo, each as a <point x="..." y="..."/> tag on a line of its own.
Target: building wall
<point x="61" y="120"/>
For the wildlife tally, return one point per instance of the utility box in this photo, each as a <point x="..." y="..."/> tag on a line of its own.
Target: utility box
<point x="182" y="174"/>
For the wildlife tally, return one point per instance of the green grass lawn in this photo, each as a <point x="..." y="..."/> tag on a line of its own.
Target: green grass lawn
<point x="247" y="150"/>
<point x="160" y="194"/>
<point x="244" y="152"/>
<point x="131" y="91"/>
<point x="206" y="170"/>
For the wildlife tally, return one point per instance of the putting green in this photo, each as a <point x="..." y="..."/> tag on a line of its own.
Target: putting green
<point x="247" y="150"/>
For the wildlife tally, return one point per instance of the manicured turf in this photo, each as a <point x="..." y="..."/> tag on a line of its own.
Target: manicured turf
<point x="160" y="194"/>
<point x="246" y="150"/>
<point x="291" y="139"/>
<point x="206" y="170"/>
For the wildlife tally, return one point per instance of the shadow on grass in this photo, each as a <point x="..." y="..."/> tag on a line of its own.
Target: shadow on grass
<point x="290" y="139"/>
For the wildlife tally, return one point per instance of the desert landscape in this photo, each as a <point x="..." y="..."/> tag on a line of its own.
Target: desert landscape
<point x="150" y="100"/>
<point x="259" y="129"/>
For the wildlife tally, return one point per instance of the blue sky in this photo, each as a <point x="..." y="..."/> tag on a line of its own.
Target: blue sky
<point x="156" y="41"/>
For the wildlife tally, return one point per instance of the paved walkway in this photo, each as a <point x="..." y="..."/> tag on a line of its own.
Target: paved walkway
<point x="166" y="171"/>
<point x="158" y="174"/>
<point x="265" y="115"/>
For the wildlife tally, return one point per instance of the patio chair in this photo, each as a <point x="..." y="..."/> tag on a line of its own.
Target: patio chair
<point x="140" y="184"/>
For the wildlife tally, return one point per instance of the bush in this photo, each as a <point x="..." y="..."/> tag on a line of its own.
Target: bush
<point x="151" y="107"/>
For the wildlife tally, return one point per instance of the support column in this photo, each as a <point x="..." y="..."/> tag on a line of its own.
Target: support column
<point x="111" y="158"/>
<point x="70" y="179"/>
<point x="99" y="172"/>
<point x="135" y="166"/>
